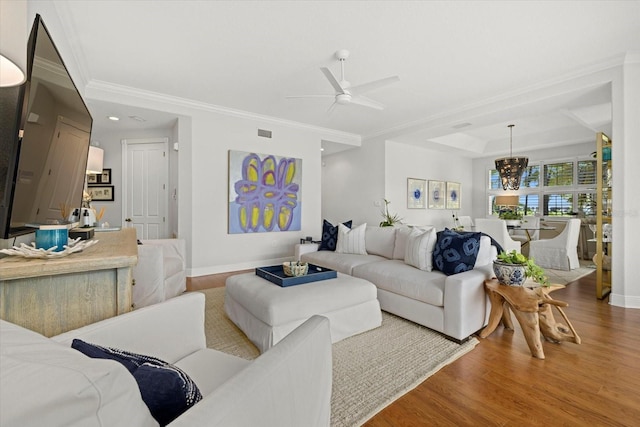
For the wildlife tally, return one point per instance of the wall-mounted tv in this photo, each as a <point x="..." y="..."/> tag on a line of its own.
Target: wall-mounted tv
<point x="46" y="128"/>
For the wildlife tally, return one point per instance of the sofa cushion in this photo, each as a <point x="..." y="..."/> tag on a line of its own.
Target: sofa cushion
<point x="199" y="367"/>
<point x="419" y="248"/>
<point x="342" y="263"/>
<point x="399" y="278"/>
<point x="48" y="383"/>
<point x="456" y="252"/>
<point x="380" y="241"/>
<point x="166" y="389"/>
<point x="330" y="235"/>
<point x="351" y="241"/>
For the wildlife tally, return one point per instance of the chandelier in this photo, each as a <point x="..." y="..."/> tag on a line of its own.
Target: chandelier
<point x="511" y="168"/>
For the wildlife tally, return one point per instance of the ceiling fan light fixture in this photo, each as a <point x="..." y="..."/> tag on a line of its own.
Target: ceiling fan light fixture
<point x="511" y="168"/>
<point x="343" y="98"/>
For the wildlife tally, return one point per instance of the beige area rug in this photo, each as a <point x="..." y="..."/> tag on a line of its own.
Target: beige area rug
<point x="562" y="277"/>
<point x="370" y="370"/>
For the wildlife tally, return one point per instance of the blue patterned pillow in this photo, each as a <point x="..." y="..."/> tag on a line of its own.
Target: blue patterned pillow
<point x="165" y="389"/>
<point x="330" y="235"/>
<point x="455" y="252"/>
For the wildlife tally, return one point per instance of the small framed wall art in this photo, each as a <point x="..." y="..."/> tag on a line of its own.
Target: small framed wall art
<point x="453" y="195"/>
<point x="99" y="178"/>
<point x="102" y="193"/>
<point x="105" y="178"/>
<point x="416" y="193"/>
<point x="436" y="194"/>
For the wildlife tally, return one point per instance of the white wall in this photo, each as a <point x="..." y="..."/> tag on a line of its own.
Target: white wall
<point x="213" y="249"/>
<point x="405" y="161"/>
<point x="352" y="181"/>
<point x="355" y="183"/>
<point x="625" y="290"/>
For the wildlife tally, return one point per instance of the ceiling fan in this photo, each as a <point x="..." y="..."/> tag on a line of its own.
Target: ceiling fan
<point x="346" y="94"/>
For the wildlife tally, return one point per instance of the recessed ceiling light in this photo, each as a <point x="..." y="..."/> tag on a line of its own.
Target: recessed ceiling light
<point x="114" y="118"/>
<point x="321" y="149"/>
<point x="137" y="118"/>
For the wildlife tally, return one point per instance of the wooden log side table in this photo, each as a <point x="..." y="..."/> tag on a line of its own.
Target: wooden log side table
<point x="532" y="308"/>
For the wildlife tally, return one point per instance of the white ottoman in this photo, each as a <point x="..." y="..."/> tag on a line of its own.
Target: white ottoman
<point x="266" y="312"/>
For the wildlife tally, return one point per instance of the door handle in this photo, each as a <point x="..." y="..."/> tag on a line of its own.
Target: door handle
<point x="127" y="220"/>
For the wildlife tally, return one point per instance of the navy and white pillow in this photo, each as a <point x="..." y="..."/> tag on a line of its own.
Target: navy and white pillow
<point x="166" y="389"/>
<point x="330" y="235"/>
<point x="456" y="252"/>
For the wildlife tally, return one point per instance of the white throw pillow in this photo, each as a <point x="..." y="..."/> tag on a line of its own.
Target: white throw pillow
<point x="351" y="241"/>
<point x="419" y="249"/>
<point x="402" y="233"/>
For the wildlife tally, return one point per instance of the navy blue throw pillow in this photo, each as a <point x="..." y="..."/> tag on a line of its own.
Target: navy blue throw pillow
<point x="456" y="252"/>
<point x="330" y="235"/>
<point x="165" y="389"/>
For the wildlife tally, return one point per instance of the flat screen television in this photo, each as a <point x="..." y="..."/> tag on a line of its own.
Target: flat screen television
<point x="46" y="127"/>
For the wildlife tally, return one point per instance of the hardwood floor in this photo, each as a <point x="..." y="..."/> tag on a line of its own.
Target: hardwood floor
<point x="499" y="383"/>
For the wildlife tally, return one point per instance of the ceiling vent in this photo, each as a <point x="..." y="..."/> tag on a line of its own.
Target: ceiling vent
<point x="264" y="133"/>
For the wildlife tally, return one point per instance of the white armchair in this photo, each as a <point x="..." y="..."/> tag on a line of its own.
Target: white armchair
<point x="45" y="382"/>
<point x="561" y="252"/>
<point x="161" y="271"/>
<point x="497" y="228"/>
<point x="525" y="236"/>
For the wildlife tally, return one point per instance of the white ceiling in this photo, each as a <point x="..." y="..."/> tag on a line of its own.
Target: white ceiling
<point x="449" y="55"/>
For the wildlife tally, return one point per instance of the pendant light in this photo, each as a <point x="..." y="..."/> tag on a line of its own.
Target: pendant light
<point x="511" y="168"/>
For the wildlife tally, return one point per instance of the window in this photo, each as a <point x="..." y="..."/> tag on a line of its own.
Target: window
<point x="529" y="204"/>
<point x="587" y="203"/>
<point x="558" y="174"/>
<point x="565" y="187"/>
<point x="558" y="204"/>
<point x="530" y="177"/>
<point x="587" y="172"/>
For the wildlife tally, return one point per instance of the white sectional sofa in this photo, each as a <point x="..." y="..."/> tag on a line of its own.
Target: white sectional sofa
<point x="45" y="382"/>
<point x="454" y="305"/>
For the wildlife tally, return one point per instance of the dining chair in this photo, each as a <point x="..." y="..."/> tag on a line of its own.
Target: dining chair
<point x="525" y="236"/>
<point x="561" y="252"/>
<point x="497" y="228"/>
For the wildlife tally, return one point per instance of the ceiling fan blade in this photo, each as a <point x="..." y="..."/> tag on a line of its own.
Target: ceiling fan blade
<point x="366" y="102"/>
<point x="310" y="96"/>
<point x="366" y="87"/>
<point x="332" y="79"/>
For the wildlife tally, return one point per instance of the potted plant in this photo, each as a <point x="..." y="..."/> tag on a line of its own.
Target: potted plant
<point x="511" y="217"/>
<point x="512" y="268"/>
<point x="389" y="220"/>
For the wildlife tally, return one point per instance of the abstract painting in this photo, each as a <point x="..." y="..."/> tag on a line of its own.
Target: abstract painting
<point x="264" y="193"/>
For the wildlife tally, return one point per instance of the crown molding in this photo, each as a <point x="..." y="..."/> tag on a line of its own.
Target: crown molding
<point x="68" y="27"/>
<point x="593" y="68"/>
<point x="96" y="89"/>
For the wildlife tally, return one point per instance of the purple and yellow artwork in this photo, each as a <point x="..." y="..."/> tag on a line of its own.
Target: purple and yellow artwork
<point x="264" y="193"/>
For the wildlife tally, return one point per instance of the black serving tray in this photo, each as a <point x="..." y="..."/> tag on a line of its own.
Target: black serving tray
<point x="275" y="274"/>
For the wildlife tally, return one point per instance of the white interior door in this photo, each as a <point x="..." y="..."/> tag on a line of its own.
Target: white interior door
<point x="67" y="154"/>
<point x="145" y="200"/>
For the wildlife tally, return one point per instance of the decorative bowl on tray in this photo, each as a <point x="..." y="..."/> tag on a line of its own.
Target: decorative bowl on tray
<point x="295" y="269"/>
